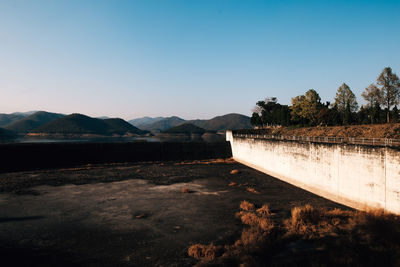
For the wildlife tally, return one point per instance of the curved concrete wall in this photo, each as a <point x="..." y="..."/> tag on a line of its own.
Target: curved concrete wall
<point x="363" y="177"/>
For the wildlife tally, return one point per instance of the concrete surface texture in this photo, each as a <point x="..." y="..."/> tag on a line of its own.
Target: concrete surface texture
<point x="363" y="177"/>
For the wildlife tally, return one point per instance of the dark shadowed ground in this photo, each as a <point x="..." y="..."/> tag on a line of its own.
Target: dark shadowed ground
<point x="131" y="214"/>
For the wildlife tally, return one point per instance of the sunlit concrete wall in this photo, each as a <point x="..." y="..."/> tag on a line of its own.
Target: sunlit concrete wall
<point x="363" y="177"/>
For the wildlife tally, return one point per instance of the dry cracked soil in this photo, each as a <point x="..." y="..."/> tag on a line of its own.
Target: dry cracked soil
<point x="131" y="214"/>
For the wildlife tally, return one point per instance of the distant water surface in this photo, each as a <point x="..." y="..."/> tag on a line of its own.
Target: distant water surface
<point x="90" y="140"/>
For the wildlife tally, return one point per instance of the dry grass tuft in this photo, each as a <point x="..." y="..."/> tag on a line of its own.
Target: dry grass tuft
<point x="309" y="237"/>
<point x="247" y="206"/>
<point x="232" y="184"/>
<point x="205" y="253"/>
<point x="257" y="232"/>
<point x="252" y="190"/>
<point x="234" y="171"/>
<point x="264" y="210"/>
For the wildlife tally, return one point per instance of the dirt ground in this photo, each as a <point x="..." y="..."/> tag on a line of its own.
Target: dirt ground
<point x="132" y="214"/>
<point x="386" y="130"/>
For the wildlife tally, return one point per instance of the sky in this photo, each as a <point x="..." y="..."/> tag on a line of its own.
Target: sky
<point x="192" y="59"/>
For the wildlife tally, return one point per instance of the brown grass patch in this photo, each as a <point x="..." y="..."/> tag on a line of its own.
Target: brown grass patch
<point x="247" y="206"/>
<point x="309" y="237"/>
<point x="205" y="253"/>
<point x="252" y="190"/>
<point x="232" y="184"/>
<point x="235" y="171"/>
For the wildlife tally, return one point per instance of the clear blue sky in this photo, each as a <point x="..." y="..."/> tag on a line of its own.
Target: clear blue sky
<point x="193" y="59"/>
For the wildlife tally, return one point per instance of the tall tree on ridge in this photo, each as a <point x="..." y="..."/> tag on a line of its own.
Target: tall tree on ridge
<point x="306" y="108"/>
<point x="374" y="96"/>
<point x="390" y="86"/>
<point x="345" y="101"/>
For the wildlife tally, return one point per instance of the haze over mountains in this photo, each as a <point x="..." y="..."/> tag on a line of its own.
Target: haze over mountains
<point x="230" y="121"/>
<point x="31" y="122"/>
<point x="47" y="123"/>
<point x="144" y="121"/>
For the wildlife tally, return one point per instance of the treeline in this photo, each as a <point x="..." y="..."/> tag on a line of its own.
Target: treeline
<point x="307" y="110"/>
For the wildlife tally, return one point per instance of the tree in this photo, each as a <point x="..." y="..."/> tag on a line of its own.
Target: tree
<point x="374" y="96"/>
<point x="306" y="108"/>
<point x="296" y="109"/>
<point x="395" y="114"/>
<point x="345" y="101"/>
<point x="255" y="119"/>
<point x="269" y="111"/>
<point x="390" y="86"/>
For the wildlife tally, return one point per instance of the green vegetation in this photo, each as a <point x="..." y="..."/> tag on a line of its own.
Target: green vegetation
<point x="230" y="121"/>
<point x="120" y="127"/>
<point x="81" y="124"/>
<point x="186" y="128"/>
<point x="6" y="119"/>
<point x="164" y="124"/>
<point x="307" y="109"/>
<point x="33" y="121"/>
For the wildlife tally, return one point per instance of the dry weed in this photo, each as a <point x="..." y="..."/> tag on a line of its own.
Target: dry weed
<point x="310" y="237"/>
<point x="252" y="190"/>
<point x="247" y="206"/>
<point x="232" y="184"/>
<point x="205" y="253"/>
<point x="264" y="210"/>
<point x="235" y="171"/>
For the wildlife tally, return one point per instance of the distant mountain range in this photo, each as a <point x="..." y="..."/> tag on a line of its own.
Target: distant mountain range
<point x="31" y="122"/>
<point x="42" y="122"/>
<point x="82" y="124"/>
<point x="163" y="124"/>
<point x="231" y="121"/>
<point x="144" y="121"/>
<point x="6" y="119"/>
<point x="186" y="128"/>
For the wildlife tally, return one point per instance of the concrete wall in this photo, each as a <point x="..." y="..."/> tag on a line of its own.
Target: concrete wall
<point x="25" y="156"/>
<point x="363" y="177"/>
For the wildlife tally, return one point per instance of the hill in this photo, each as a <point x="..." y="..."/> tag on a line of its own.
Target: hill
<point x="6" y="135"/>
<point x="82" y="124"/>
<point x="231" y="121"/>
<point x="163" y="124"/>
<point x="144" y="121"/>
<point x="32" y="122"/>
<point x="120" y="126"/>
<point x="186" y="128"/>
<point x="6" y="119"/>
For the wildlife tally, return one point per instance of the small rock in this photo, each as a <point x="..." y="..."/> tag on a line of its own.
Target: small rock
<point x="185" y="190"/>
